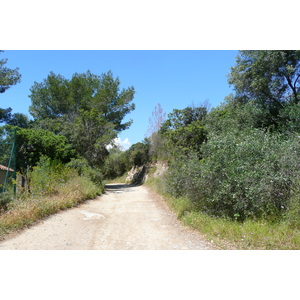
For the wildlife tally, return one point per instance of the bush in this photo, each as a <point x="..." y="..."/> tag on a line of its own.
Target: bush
<point x="48" y="176"/>
<point x="181" y="174"/>
<point x="115" y="164"/>
<point x="243" y="174"/>
<point x="26" y="211"/>
<point x="5" y="199"/>
<point x="293" y="211"/>
<point x="83" y="168"/>
<point x="289" y="118"/>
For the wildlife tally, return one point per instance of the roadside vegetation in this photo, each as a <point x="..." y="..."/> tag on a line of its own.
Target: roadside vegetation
<point x="233" y="170"/>
<point x="53" y="187"/>
<point x="259" y="234"/>
<point x="62" y="153"/>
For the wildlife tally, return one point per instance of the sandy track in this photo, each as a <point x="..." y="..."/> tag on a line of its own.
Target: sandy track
<point x="125" y="217"/>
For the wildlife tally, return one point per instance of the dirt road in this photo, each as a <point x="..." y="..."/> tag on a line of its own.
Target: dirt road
<point x="125" y="217"/>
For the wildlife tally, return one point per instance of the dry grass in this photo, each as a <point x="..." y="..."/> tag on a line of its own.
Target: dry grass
<point x="25" y="212"/>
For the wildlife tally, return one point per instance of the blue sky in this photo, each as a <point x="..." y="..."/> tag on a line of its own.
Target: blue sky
<point x="175" y="79"/>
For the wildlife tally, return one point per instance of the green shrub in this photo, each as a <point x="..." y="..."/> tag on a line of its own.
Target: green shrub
<point x="5" y="199"/>
<point x="289" y="118"/>
<point x="243" y="174"/>
<point x="80" y="187"/>
<point x="115" y="164"/>
<point x="293" y="211"/>
<point x="48" y="176"/>
<point x="26" y="211"/>
<point x="83" y="168"/>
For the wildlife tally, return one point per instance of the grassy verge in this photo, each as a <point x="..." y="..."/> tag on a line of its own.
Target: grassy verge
<point x="250" y="235"/>
<point x="228" y="234"/>
<point x="25" y="212"/>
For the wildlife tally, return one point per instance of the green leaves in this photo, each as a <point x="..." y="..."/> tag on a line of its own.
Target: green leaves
<point x="87" y="109"/>
<point x="138" y="154"/>
<point x="269" y="78"/>
<point x="185" y="130"/>
<point x="49" y="99"/>
<point x="35" y="143"/>
<point x="241" y="160"/>
<point x="8" y="77"/>
<point x="243" y="174"/>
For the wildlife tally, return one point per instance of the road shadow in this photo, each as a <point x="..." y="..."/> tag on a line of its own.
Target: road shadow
<point x="118" y="187"/>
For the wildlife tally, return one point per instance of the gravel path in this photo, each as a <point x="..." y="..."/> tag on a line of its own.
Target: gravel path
<point x="125" y="217"/>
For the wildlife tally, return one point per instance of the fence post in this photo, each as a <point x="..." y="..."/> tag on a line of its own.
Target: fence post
<point x="15" y="160"/>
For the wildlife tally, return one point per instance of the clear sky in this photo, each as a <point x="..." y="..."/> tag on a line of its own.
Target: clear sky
<point x="175" y="79"/>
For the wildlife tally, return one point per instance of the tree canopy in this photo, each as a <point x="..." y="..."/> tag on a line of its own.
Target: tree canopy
<point x="269" y="79"/>
<point x="57" y="97"/>
<point x="33" y="144"/>
<point x="8" y="77"/>
<point x="267" y="75"/>
<point x="88" y="109"/>
<point x="184" y="130"/>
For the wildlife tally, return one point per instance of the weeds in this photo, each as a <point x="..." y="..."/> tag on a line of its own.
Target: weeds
<point x="250" y="234"/>
<point x="231" y="234"/>
<point x="5" y="199"/>
<point x="66" y="189"/>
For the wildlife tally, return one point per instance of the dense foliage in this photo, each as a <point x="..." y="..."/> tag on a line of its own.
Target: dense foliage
<point x="74" y="121"/>
<point x="8" y="76"/>
<point x="242" y="174"/>
<point x="87" y="109"/>
<point x="270" y="79"/>
<point x="32" y="144"/>
<point x="118" y="162"/>
<point x="241" y="160"/>
<point x="49" y="177"/>
<point x="184" y="130"/>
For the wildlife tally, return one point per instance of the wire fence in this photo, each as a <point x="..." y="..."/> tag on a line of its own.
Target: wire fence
<point x="8" y="160"/>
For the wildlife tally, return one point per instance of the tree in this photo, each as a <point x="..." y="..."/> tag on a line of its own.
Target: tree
<point x="138" y="154"/>
<point x="90" y="135"/>
<point x="185" y="129"/>
<point x="266" y="75"/>
<point x="8" y="77"/>
<point x="155" y="121"/>
<point x="88" y="109"/>
<point x="183" y="117"/>
<point x="269" y="79"/>
<point x="19" y="120"/>
<point x="115" y="164"/>
<point x="5" y="115"/>
<point x="32" y="144"/>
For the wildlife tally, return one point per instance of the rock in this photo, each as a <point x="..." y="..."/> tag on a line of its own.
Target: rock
<point x="136" y="175"/>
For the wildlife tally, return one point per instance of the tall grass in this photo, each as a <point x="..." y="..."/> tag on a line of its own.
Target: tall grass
<point x="51" y="192"/>
<point x="254" y="235"/>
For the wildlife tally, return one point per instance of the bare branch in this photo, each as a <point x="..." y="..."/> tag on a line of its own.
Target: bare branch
<point x="296" y="81"/>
